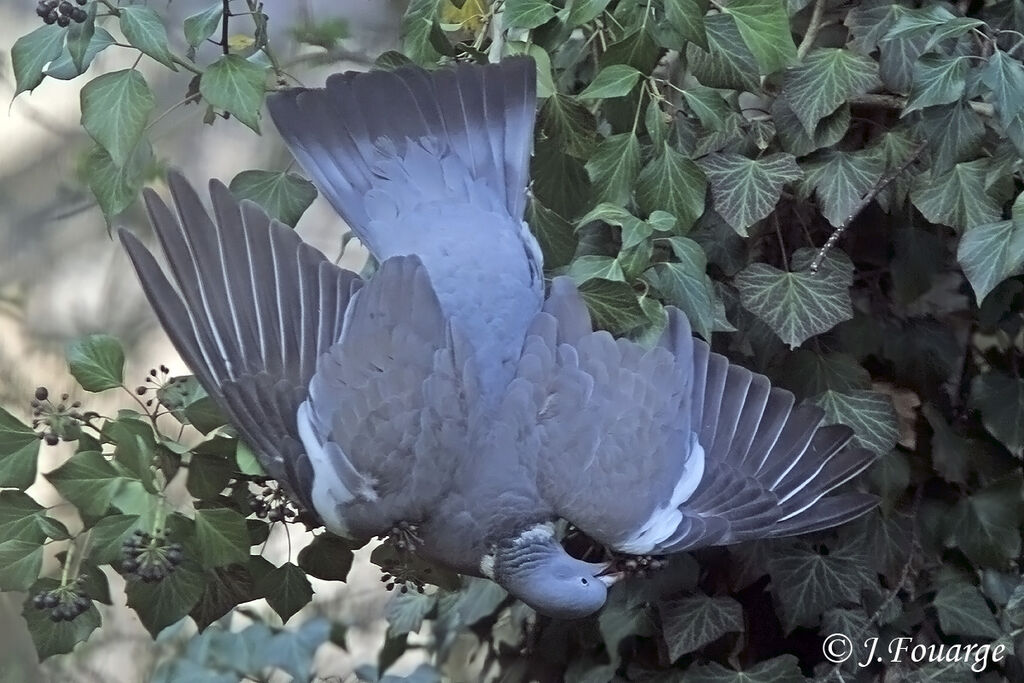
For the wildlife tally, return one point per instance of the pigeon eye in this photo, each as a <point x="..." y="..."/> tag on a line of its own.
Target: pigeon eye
<point x="584" y="582"/>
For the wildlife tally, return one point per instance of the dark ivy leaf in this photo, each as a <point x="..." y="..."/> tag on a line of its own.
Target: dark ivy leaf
<point x="88" y="481"/>
<point x="97" y="362"/>
<point x="962" y="611"/>
<point x="528" y="13"/>
<point x="56" y="638"/>
<point x="1000" y="399"/>
<point x="613" y="305"/>
<point x="806" y="583"/>
<point x="115" y="109"/>
<point x="221" y="537"/>
<point x="285" y="196"/>
<point x="764" y="26"/>
<point x="691" y="623"/>
<point x="746" y="190"/>
<point x="827" y="78"/>
<point x="235" y="85"/>
<point x="987" y="523"/>
<point x="164" y="602"/>
<point x="145" y="30"/>
<point x="782" y="669"/>
<point x="328" y="557"/>
<point x="116" y="187"/>
<point x="201" y="25"/>
<point x="20" y="562"/>
<point x="614" y="167"/>
<point x="286" y="589"/>
<point x="727" y="62"/>
<point x="672" y="183"/>
<point x="869" y="413"/>
<point x="19" y="449"/>
<point x="31" y="53"/>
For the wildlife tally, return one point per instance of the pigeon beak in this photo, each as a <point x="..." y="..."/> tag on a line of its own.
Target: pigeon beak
<point x="606" y="576"/>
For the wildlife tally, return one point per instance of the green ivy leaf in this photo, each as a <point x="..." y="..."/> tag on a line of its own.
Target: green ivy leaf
<point x="613" y="305"/>
<point x="1000" y="399"/>
<point x="20" y="562"/>
<point x="292" y="651"/>
<point x="937" y="80"/>
<point x="19" y="450"/>
<point x="782" y="669"/>
<point x="799" y="305"/>
<point x="840" y="179"/>
<point x="686" y="17"/>
<point x="19" y="518"/>
<point x="672" y="183"/>
<point x="869" y="413"/>
<point x="285" y="196"/>
<point x="328" y="557"/>
<point x="827" y="78"/>
<point x="727" y="62"/>
<point x="554" y="233"/>
<point x="918" y="22"/>
<point x="794" y="138"/>
<point x="709" y="107"/>
<point x="634" y="230"/>
<point x="568" y="124"/>
<point x="286" y="588"/>
<point x="691" y="623"/>
<point x="144" y="29"/>
<point x="958" y="197"/>
<point x="806" y="583"/>
<point x="237" y="86"/>
<point x="560" y="180"/>
<point x="419" y="25"/>
<point x="107" y="536"/>
<point x="116" y="187"/>
<point x="583" y="12"/>
<point x="986" y="524"/>
<point x="614" y="167"/>
<point x="587" y="268"/>
<point x="685" y="284"/>
<point x="79" y="37"/>
<point x="746" y="190"/>
<point x="528" y="13"/>
<point x="115" y="109"/>
<point x="764" y="26"/>
<point x="962" y="611"/>
<point x="201" y="25"/>
<point x="616" y="80"/>
<point x="32" y="52"/>
<point x="951" y="133"/>
<point x="405" y="613"/>
<point x="97" y="362"/>
<point x="991" y="253"/>
<point x="164" y="602"/>
<point x="221" y="537"/>
<point x="808" y="373"/>
<point x="87" y="481"/>
<point x="1004" y="76"/>
<point x="64" y="68"/>
<point x="57" y="638"/>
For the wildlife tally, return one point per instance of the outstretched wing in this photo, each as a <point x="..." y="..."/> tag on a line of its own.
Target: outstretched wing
<point x="252" y="310"/>
<point x="385" y="423"/>
<point x="671" y="448"/>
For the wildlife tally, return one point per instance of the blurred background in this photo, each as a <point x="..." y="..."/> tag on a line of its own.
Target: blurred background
<point x="62" y="275"/>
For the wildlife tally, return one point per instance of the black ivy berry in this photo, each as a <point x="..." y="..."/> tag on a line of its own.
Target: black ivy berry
<point x="272" y="505"/>
<point x="150" y="558"/>
<point x="64" y="603"/>
<point x="62" y="13"/>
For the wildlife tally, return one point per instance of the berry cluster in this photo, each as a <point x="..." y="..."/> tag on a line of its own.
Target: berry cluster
<point x="150" y="558"/>
<point x="61" y="12"/>
<point x="60" y="422"/>
<point x="639" y="566"/>
<point x="158" y="382"/>
<point x="272" y="504"/>
<point x="393" y="575"/>
<point x="65" y="603"/>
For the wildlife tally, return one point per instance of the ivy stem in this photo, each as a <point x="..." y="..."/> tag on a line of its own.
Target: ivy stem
<point x="812" y="30"/>
<point x="224" y="26"/>
<point x="66" y="569"/>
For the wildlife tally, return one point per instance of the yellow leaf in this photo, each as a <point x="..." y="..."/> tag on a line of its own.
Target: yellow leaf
<point x="470" y="15"/>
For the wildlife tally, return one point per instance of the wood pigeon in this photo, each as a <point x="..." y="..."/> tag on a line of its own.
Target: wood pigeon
<point x="445" y="399"/>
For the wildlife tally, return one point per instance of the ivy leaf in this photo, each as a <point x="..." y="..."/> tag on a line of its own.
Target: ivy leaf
<point x="746" y="190"/>
<point x="19" y="450"/>
<point x="285" y="196"/>
<point x="221" y="537"/>
<point x="87" y="481"/>
<point x="726" y="62"/>
<point x="840" y="180"/>
<point x="797" y="305"/>
<point x="764" y="26"/>
<point x="64" y="67"/>
<point x="991" y="253"/>
<point x="568" y="124"/>
<point x="201" y="25"/>
<point x="164" y="602"/>
<point x="554" y="233"/>
<point x="145" y="30"/>
<point x="419" y="24"/>
<point x="806" y="583"/>
<point x="869" y="413"/>
<point x="637" y="49"/>
<point x="108" y="535"/>
<point x="328" y="557"/>
<point x="962" y="611"/>
<point x="235" y="85"/>
<point x="1000" y="399"/>
<point x="286" y="588"/>
<point x="31" y="53"/>
<point x="584" y="11"/>
<point x="808" y="373"/>
<point x="672" y="183"/>
<point x="709" y="107"/>
<point x="958" y="197"/>
<point x="587" y="268"/>
<point x="1004" y="76"/>
<point x="20" y="562"/>
<point x="827" y="79"/>
<point x="18" y="518"/>
<point x="795" y="139"/>
<point x="937" y="80"/>
<point x="685" y="284"/>
<point x="406" y="612"/>
<point x="560" y="181"/>
<point x="987" y="524"/>
<point x="782" y="669"/>
<point x="614" y="168"/>
<point x="613" y="305"/>
<point x="951" y="133"/>
<point x="115" y="109"/>
<point x="527" y="13"/>
<point x="616" y="80"/>
<point x="691" y="623"/>
<point x="57" y="638"/>
<point x="97" y="362"/>
<point x="686" y="18"/>
<point x="292" y="651"/>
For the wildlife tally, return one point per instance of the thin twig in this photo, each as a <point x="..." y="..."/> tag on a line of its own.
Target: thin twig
<point x="861" y="205"/>
<point x="224" y="26"/>
<point x="812" y="30"/>
<point x="898" y="102"/>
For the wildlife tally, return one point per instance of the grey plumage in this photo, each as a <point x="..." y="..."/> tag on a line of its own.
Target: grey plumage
<point x="446" y="392"/>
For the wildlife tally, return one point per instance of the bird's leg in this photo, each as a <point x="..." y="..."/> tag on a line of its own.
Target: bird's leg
<point x="405" y="537"/>
<point x="628" y="566"/>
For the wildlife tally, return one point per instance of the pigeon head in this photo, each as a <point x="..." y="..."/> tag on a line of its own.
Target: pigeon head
<point x="536" y="569"/>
